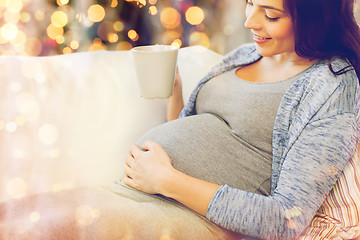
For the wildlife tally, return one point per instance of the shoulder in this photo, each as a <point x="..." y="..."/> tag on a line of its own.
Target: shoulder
<point x="335" y="93"/>
<point x="321" y="78"/>
<point x="322" y="73"/>
<point x="348" y="79"/>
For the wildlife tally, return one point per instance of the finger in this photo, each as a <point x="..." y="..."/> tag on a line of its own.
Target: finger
<point x="128" y="181"/>
<point x="149" y="145"/>
<point x="129" y="160"/>
<point x="128" y="171"/>
<point x="135" y="150"/>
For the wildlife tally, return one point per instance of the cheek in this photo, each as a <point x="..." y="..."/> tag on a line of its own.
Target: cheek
<point x="284" y="31"/>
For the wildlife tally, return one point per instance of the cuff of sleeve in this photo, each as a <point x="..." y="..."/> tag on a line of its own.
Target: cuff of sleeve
<point x="213" y="212"/>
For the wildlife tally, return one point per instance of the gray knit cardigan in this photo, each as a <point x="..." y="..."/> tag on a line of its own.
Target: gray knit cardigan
<point x="315" y="133"/>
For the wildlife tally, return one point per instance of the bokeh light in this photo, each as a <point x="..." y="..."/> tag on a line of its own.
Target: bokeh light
<point x="11" y="126"/>
<point x="59" y="19"/>
<point x="96" y="13"/>
<point x="118" y="26"/>
<point x="43" y="28"/>
<point x="177" y="43"/>
<point x="74" y="44"/>
<point x="54" y="32"/>
<point x="112" y="37"/>
<point x="25" y="17"/>
<point x="114" y="3"/>
<point x="39" y="15"/>
<point x="14" y="6"/>
<point x="67" y="50"/>
<point x="123" y="46"/>
<point x="62" y="2"/>
<point x="9" y="31"/>
<point x="34" y="217"/>
<point x="170" y="18"/>
<point x="85" y="215"/>
<point x="133" y="35"/>
<point x="153" y="10"/>
<point x="194" y="15"/>
<point x="17" y="188"/>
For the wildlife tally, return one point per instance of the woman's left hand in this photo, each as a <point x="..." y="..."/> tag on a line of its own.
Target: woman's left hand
<point x="147" y="170"/>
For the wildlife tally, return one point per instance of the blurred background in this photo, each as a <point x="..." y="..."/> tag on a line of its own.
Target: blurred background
<point x="53" y="27"/>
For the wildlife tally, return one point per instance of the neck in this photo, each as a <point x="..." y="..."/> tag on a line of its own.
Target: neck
<point x="289" y="59"/>
<point x="284" y="65"/>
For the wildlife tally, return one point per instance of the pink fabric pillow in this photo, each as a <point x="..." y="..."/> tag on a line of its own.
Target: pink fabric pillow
<point x="339" y="216"/>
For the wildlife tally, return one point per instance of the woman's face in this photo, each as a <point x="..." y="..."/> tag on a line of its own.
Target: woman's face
<point x="272" y="28"/>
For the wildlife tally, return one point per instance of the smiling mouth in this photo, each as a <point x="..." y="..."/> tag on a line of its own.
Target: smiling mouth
<point x="260" y="38"/>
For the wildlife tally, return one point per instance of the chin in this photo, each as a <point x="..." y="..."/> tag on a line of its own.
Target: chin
<point x="265" y="52"/>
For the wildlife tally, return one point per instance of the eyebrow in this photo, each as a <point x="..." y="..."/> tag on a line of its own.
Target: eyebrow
<point x="272" y="8"/>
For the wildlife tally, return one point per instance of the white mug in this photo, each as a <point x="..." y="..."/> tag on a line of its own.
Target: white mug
<point x="155" y="67"/>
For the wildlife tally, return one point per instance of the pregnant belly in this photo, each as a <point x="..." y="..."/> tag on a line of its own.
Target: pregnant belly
<point x="204" y="147"/>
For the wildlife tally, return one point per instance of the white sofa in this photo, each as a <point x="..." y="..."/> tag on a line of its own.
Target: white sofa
<point x="67" y="121"/>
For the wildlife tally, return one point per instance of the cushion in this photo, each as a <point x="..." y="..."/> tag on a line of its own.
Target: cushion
<point x="338" y="217"/>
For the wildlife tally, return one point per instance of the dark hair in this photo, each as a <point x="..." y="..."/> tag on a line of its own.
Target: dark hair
<point x="325" y="29"/>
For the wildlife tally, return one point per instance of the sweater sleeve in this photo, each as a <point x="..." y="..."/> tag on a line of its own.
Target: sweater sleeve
<point x="310" y="169"/>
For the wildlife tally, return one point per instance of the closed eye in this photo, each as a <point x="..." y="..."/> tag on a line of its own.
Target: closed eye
<point x="271" y="19"/>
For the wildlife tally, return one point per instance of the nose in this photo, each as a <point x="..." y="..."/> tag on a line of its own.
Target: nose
<point x="253" y="20"/>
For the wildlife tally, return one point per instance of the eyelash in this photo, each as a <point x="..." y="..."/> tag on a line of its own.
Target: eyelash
<point x="266" y="16"/>
<point x="271" y="19"/>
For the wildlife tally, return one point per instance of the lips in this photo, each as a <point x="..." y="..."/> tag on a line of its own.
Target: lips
<point x="259" y="39"/>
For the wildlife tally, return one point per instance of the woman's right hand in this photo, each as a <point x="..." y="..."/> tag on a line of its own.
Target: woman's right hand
<point x="140" y="166"/>
<point x="175" y="103"/>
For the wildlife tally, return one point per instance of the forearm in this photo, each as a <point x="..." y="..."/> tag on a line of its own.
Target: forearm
<point x="192" y="192"/>
<point x="175" y="103"/>
<point x="174" y="106"/>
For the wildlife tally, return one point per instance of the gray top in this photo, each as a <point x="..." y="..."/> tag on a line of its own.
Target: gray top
<point x="248" y="108"/>
<point x="229" y="140"/>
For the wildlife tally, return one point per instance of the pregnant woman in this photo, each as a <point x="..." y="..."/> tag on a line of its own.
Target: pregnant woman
<point x="253" y="154"/>
<point x="267" y="132"/>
